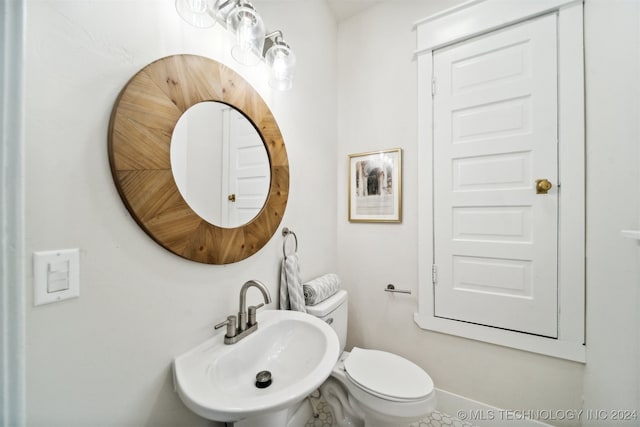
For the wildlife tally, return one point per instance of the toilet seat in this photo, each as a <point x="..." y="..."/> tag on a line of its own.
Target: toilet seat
<point x="387" y="375"/>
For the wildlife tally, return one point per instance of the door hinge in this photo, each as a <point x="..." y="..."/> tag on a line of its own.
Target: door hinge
<point x="433" y="87"/>
<point x="434" y="274"/>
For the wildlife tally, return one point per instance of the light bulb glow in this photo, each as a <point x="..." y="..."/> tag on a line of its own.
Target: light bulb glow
<point x="250" y="32"/>
<point x="280" y="69"/>
<point x="282" y="61"/>
<point x="197" y="6"/>
<point x="199" y="13"/>
<point x="244" y="37"/>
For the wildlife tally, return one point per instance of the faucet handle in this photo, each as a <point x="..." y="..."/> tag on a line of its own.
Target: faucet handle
<point x="252" y="313"/>
<point x="231" y="326"/>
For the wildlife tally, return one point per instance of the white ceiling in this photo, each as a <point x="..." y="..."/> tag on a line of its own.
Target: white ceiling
<point x="344" y="9"/>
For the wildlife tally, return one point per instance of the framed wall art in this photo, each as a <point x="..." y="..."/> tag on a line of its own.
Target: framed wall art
<point x="375" y="186"/>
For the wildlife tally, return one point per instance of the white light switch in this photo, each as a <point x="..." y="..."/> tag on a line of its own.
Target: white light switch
<point x="56" y="275"/>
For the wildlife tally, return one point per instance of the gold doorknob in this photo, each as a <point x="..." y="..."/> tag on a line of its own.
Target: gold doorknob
<point x="543" y="186"/>
<point x="231" y="197"/>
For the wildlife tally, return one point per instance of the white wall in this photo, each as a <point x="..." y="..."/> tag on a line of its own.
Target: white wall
<point x="377" y="109"/>
<point x="612" y="374"/>
<point x="104" y="359"/>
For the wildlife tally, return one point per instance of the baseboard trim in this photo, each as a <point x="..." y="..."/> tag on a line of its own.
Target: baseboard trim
<point x="483" y="415"/>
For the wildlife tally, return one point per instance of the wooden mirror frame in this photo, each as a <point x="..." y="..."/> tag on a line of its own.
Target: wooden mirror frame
<point x="142" y="122"/>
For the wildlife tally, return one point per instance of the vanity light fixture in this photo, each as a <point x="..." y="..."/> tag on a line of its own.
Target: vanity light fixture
<point x="252" y="44"/>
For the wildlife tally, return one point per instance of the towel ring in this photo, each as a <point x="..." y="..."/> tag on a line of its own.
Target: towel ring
<point x="286" y="232"/>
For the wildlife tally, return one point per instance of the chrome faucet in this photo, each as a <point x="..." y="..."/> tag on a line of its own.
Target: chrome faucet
<point x="242" y="313"/>
<point x="247" y="322"/>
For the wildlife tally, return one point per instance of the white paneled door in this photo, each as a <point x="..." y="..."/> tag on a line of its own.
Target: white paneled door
<point x="495" y="134"/>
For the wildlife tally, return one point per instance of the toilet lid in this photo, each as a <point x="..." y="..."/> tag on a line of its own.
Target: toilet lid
<point x="387" y="375"/>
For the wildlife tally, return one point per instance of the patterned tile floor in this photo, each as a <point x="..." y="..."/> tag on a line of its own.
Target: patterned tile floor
<point x="435" y="419"/>
<point x="325" y="419"/>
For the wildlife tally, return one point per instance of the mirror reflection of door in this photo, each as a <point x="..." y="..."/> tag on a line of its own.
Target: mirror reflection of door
<point x="246" y="169"/>
<point x="220" y="164"/>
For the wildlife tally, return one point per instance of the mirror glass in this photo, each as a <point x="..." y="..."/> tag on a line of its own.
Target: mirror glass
<point x="220" y="164"/>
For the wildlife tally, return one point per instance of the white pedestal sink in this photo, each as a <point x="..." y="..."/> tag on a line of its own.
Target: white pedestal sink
<point x="218" y="381"/>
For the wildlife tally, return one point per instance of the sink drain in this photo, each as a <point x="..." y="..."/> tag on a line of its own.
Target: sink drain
<point x="263" y="379"/>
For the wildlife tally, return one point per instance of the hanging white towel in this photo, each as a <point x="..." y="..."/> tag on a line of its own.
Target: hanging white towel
<point x="291" y="295"/>
<point x="284" y="291"/>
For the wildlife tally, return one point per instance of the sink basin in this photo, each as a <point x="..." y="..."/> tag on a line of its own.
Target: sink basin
<point x="218" y="381"/>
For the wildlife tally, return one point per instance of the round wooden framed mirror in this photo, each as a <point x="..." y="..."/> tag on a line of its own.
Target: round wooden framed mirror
<point x="140" y="130"/>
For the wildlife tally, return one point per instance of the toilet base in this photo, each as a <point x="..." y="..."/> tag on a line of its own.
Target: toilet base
<point x="345" y="413"/>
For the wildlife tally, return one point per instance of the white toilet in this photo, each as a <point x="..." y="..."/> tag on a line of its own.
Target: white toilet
<point x="371" y="388"/>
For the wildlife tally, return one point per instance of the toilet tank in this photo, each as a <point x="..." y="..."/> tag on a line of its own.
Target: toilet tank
<point x="334" y="311"/>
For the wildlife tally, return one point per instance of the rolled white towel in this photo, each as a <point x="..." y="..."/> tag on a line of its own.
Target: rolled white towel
<point x="321" y="288"/>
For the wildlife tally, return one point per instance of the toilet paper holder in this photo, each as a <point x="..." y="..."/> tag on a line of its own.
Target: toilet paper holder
<point x="391" y="288"/>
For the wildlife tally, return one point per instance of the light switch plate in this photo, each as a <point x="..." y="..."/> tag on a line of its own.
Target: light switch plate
<point x="56" y="275"/>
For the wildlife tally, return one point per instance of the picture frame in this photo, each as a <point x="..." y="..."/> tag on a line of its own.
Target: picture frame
<point x="375" y="186"/>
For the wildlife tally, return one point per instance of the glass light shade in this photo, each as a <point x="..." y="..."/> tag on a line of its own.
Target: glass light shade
<point x="223" y="8"/>
<point x="250" y="31"/>
<point x="282" y="61"/>
<point x="199" y="13"/>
